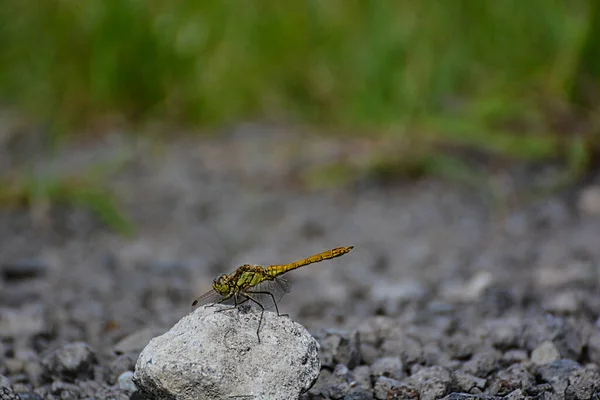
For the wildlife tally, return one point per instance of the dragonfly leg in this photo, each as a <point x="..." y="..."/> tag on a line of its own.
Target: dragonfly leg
<point x="236" y="305"/>
<point x="274" y="302"/>
<point x="219" y="302"/>
<point x="262" y="311"/>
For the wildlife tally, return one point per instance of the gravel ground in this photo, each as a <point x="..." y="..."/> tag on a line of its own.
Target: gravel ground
<point x="443" y="294"/>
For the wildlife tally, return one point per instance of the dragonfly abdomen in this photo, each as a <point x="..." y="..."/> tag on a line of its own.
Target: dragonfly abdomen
<point x="275" y="270"/>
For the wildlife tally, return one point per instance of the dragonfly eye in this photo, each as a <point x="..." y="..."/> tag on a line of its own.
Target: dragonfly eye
<point x="220" y="284"/>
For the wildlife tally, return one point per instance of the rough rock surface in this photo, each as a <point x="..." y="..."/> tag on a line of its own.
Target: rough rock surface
<point x="215" y="355"/>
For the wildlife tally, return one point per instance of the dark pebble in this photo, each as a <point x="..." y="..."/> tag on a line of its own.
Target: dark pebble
<point x="557" y="373"/>
<point x="432" y="382"/>
<point x="583" y="384"/>
<point x="23" y="269"/>
<point x="70" y="362"/>
<point x="390" y="367"/>
<point x="7" y="394"/>
<point x="338" y="347"/>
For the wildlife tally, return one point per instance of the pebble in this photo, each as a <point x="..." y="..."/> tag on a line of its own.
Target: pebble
<point x="558" y="373"/>
<point x="589" y="200"/>
<point x="122" y="363"/>
<point x="23" y="269"/>
<point x="500" y="333"/>
<point x="384" y="386"/>
<point x="338" y="347"/>
<point x="125" y="381"/>
<point x="390" y="367"/>
<point x="466" y="382"/>
<point x="583" y="384"/>
<point x="545" y="353"/>
<point x="593" y="346"/>
<point x="7" y="394"/>
<point x="4" y="381"/>
<point x="431" y="382"/>
<point x="24" y="322"/>
<point x="482" y="363"/>
<point x="71" y="361"/>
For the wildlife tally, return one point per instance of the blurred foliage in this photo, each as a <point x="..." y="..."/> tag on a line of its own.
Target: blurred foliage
<point x="502" y="76"/>
<point x="86" y="189"/>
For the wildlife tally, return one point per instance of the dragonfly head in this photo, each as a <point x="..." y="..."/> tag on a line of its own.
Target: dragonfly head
<point x="221" y="285"/>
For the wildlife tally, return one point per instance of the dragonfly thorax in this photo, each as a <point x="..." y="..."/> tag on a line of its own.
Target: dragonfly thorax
<point x="221" y="285"/>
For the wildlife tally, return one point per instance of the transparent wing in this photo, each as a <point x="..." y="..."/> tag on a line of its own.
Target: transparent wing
<point x="209" y="297"/>
<point x="277" y="288"/>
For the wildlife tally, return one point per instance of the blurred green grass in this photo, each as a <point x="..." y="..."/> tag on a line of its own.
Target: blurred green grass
<point x="372" y="64"/>
<point x="493" y="75"/>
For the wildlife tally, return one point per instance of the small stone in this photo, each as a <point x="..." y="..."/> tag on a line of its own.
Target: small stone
<point x="500" y="333"/>
<point x="589" y="200"/>
<point x="562" y="303"/>
<point x="23" y="269"/>
<point x="501" y="387"/>
<point x="408" y="349"/>
<point x="25" y="322"/>
<point x="514" y="356"/>
<point x="4" y="381"/>
<point x="431" y="382"/>
<point x="123" y="363"/>
<point x="515" y="395"/>
<point x="390" y="367"/>
<point x="210" y="354"/>
<point x="461" y="346"/>
<point x="362" y="376"/>
<point x="65" y="390"/>
<point x="483" y="363"/>
<point x="126" y="382"/>
<point x="557" y="373"/>
<point x="545" y="353"/>
<point x="71" y="361"/>
<point x="593" y="346"/>
<point x="518" y="374"/>
<point x="583" y="383"/>
<point x="7" y="394"/>
<point x="466" y="382"/>
<point x="338" y="347"/>
<point x="468" y="396"/>
<point x="470" y="290"/>
<point x="383" y="386"/>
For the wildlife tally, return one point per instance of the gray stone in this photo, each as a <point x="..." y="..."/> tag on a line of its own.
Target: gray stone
<point x="25" y="322"/>
<point x="390" y="367"/>
<point x="7" y="394"/>
<point x="431" y="382"/>
<point x="500" y="333"/>
<point x="23" y="269"/>
<point x="123" y="363"/>
<point x="545" y="353"/>
<point x="383" y="387"/>
<point x="338" y="347"/>
<point x="210" y="355"/>
<point x="593" y="348"/>
<point x="557" y="373"/>
<point x="125" y="382"/>
<point x="483" y="363"/>
<point x="583" y="383"/>
<point x="71" y="361"/>
<point x="466" y="382"/>
<point x="515" y="395"/>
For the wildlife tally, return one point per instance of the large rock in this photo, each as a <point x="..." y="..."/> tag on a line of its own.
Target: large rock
<point x="216" y="355"/>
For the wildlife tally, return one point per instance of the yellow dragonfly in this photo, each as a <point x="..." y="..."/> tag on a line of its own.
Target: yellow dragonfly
<point x="258" y="284"/>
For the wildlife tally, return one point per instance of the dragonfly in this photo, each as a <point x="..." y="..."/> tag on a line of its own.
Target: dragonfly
<point x="261" y="285"/>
